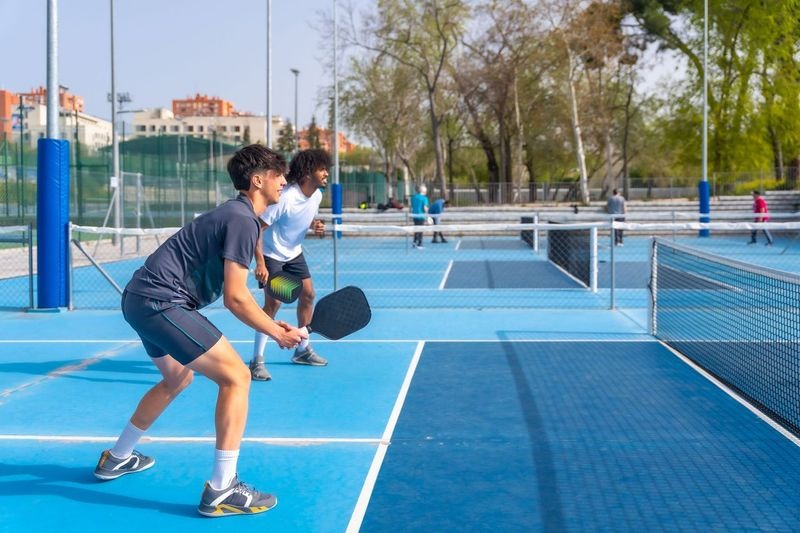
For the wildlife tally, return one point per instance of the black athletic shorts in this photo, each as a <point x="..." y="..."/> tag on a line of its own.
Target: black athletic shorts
<point x="167" y="328"/>
<point x="296" y="266"/>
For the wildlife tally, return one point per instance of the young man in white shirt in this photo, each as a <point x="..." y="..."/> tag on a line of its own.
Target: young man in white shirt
<point x="284" y="226"/>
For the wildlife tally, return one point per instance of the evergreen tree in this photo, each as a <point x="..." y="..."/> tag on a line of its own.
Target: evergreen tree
<point x="313" y="134"/>
<point x="286" y="141"/>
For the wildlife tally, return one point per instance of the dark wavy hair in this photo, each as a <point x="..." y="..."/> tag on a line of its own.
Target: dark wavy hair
<point x="251" y="159"/>
<point x="306" y="163"/>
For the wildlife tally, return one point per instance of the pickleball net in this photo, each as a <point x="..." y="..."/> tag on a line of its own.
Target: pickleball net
<point x="739" y="322"/>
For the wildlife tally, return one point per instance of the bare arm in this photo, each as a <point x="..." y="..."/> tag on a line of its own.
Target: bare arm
<point x="241" y="303"/>
<point x="261" y="267"/>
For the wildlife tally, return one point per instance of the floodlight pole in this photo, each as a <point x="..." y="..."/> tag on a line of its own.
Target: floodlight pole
<point x="336" y="187"/>
<point x="269" y="74"/>
<point x="116" y="180"/>
<point x="296" y="128"/>
<point x="335" y="143"/>
<point x="52" y="70"/>
<point x="703" y="189"/>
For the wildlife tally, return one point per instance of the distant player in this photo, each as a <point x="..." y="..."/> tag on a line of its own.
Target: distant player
<point x="762" y="215"/>
<point x="284" y="227"/>
<point x="208" y="257"/>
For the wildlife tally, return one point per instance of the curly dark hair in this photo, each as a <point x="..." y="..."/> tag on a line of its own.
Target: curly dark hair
<point x="249" y="160"/>
<point x="306" y="163"/>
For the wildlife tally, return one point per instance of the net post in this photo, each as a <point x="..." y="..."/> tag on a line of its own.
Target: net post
<point x="653" y="300"/>
<point x="536" y="233"/>
<point x="593" y="259"/>
<point x="71" y="259"/>
<point x="29" y="242"/>
<point x="612" y="243"/>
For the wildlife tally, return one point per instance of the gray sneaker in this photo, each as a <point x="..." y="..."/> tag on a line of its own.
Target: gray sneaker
<point x="258" y="370"/>
<point x="237" y="499"/>
<point x="308" y="357"/>
<point x="109" y="467"/>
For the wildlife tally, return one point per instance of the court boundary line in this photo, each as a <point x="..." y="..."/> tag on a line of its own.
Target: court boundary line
<point x="446" y="275"/>
<point x="178" y="440"/>
<point x="365" y="495"/>
<point x="733" y="394"/>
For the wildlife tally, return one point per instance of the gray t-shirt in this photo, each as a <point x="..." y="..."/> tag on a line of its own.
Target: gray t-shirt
<point x="188" y="268"/>
<point x="616" y="205"/>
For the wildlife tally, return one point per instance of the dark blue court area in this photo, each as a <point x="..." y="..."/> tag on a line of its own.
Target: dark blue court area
<point x="578" y="436"/>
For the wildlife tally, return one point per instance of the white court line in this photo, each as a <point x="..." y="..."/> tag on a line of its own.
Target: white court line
<point x="730" y="392"/>
<point x="446" y="275"/>
<point x="372" y="475"/>
<point x="261" y="440"/>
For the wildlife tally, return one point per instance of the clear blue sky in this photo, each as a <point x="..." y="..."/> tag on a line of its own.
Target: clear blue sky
<point x="168" y="49"/>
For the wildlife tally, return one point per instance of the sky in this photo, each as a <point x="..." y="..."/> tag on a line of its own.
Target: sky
<point x="172" y="49"/>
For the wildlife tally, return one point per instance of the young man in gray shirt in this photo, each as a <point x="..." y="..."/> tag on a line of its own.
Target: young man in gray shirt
<point x="207" y="258"/>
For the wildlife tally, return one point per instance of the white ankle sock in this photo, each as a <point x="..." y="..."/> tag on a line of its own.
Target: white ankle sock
<point x="303" y="344"/>
<point x="260" y="344"/>
<point x="127" y="441"/>
<point x="224" y="468"/>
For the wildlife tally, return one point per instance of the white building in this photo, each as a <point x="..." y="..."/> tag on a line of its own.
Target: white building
<point x="161" y="121"/>
<point x="92" y="132"/>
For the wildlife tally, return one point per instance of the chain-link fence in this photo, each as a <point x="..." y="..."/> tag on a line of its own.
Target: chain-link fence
<point x="16" y="267"/>
<point x="469" y="260"/>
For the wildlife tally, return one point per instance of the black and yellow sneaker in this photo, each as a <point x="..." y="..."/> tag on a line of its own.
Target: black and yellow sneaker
<point x="237" y="499"/>
<point x="109" y="467"/>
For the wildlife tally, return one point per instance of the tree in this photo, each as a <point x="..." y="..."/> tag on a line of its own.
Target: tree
<point x="312" y="135"/>
<point x="394" y="129"/>
<point x="749" y="42"/>
<point x="422" y="36"/>
<point x="286" y="139"/>
<point x="487" y="74"/>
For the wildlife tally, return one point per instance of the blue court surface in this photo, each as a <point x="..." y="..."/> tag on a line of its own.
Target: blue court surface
<point x="448" y="418"/>
<point x="424" y="421"/>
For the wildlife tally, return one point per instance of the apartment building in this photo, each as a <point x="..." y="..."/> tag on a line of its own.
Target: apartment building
<point x="25" y="114"/>
<point x="326" y="141"/>
<point x="236" y="128"/>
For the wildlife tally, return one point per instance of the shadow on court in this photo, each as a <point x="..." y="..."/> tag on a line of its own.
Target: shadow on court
<point x="61" y="481"/>
<point x="550" y="507"/>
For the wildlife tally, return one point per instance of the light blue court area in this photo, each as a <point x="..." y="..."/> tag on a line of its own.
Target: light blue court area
<point x="429" y="419"/>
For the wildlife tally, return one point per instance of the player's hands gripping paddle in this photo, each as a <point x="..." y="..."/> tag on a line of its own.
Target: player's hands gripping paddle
<point x="283" y="286"/>
<point x="340" y="313"/>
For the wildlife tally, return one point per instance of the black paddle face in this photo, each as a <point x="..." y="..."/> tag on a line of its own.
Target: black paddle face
<point x="341" y="313"/>
<point x="284" y="287"/>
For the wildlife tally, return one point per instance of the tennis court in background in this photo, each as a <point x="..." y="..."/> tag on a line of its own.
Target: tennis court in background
<point x="437" y="417"/>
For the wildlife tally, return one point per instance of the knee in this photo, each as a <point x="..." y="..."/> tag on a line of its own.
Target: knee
<point x="240" y="377"/>
<point x="175" y="385"/>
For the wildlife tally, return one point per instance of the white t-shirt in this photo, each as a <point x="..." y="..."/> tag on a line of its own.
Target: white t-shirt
<point x="288" y="221"/>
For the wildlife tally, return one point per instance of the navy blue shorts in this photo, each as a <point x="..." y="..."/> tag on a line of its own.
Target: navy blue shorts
<point x="167" y="328"/>
<point x="296" y="266"/>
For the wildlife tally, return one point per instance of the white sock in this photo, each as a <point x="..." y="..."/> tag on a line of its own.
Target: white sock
<point x="127" y="441"/>
<point x="260" y="344"/>
<point x="303" y="344"/>
<point x="224" y="468"/>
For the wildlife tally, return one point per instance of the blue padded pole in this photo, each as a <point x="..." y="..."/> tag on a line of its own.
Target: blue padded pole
<point x="336" y="203"/>
<point x="52" y="223"/>
<point x="705" y="205"/>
